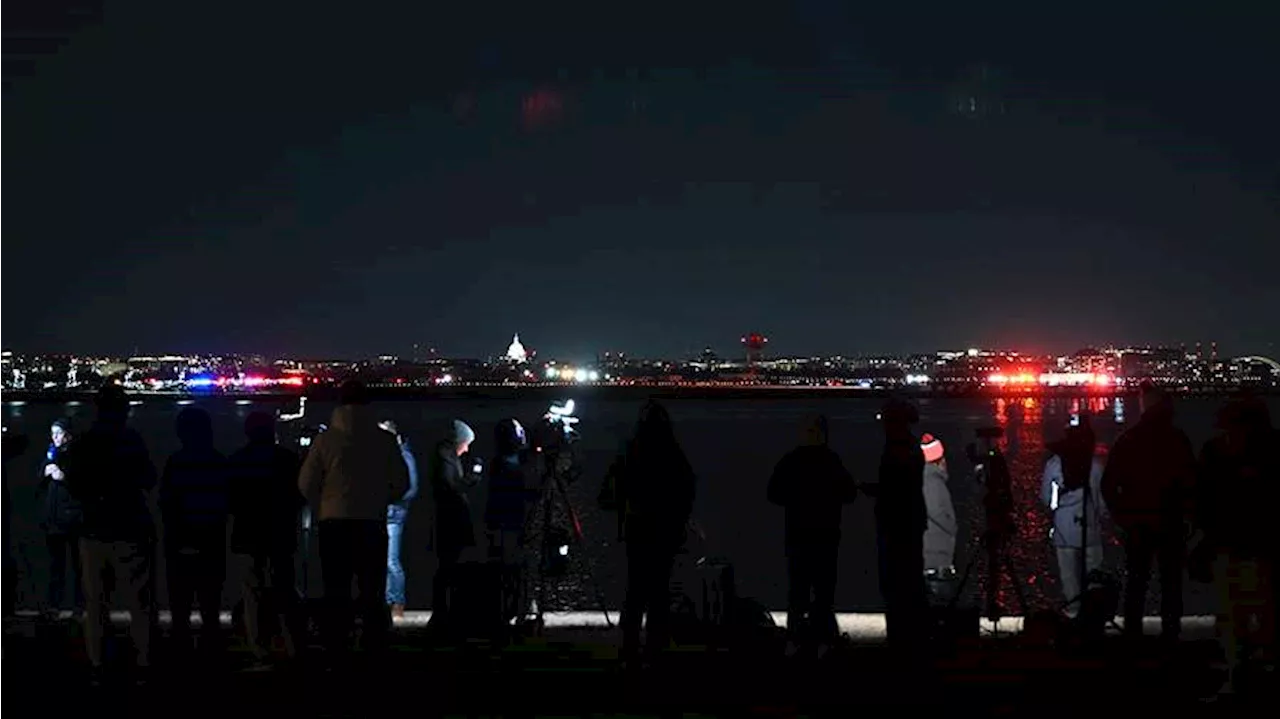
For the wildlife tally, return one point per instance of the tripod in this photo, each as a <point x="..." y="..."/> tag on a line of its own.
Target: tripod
<point x="993" y="547"/>
<point x="554" y="490"/>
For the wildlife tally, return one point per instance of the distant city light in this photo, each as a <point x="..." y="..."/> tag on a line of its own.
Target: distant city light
<point x="553" y="373"/>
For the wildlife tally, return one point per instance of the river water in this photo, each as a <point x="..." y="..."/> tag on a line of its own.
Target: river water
<point x="732" y="444"/>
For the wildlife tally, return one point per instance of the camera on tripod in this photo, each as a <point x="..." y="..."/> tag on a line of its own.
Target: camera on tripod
<point x="554" y="439"/>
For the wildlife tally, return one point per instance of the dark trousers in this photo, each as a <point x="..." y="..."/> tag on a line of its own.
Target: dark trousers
<point x="61" y="548"/>
<point x="196" y="573"/>
<point x="901" y="565"/>
<point x="446" y="569"/>
<point x="354" y="549"/>
<point x="1142" y="546"/>
<point x="649" y="563"/>
<point x="270" y="592"/>
<point x="811" y="593"/>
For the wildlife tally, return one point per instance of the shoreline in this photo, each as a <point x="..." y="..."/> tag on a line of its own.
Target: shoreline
<point x="610" y="392"/>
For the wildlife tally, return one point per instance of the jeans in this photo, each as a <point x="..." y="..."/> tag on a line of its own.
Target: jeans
<point x="1073" y="585"/>
<point x="1166" y="547"/>
<point x="811" y="595"/>
<point x="61" y="547"/>
<point x="129" y="564"/>
<point x="395" y="570"/>
<point x="354" y="549"/>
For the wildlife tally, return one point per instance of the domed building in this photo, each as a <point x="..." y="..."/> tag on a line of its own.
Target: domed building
<point x="516" y="352"/>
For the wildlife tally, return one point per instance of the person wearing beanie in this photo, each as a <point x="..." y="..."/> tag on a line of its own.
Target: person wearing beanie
<point x="397" y="514"/>
<point x="940" y="533"/>
<point x="453" y="475"/>
<point x="352" y="472"/>
<point x="265" y="503"/>
<point x="1071" y="490"/>
<point x="812" y="485"/>
<point x="61" y="521"/>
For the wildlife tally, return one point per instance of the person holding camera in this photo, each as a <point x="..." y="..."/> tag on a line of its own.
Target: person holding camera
<point x="453" y="475"/>
<point x="1071" y="489"/>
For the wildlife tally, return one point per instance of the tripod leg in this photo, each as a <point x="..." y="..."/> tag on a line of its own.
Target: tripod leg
<point x="1017" y="586"/>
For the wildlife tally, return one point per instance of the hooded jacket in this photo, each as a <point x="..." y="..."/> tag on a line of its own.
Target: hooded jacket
<point x="940" y="533"/>
<point x="354" y="469"/>
<point x="1068" y="505"/>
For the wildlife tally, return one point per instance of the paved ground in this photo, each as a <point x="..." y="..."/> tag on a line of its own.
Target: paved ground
<point x="576" y="672"/>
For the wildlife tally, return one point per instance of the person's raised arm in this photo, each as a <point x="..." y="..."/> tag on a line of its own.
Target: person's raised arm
<point x="398" y="480"/>
<point x="411" y="464"/>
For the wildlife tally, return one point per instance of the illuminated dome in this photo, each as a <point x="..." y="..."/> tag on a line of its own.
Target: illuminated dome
<point x="516" y="352"/>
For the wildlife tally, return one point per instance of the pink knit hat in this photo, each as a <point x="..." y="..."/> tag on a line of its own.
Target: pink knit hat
<point x="932" y="447"/>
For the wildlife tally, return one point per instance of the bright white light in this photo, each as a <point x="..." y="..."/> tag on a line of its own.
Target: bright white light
<point x="240" y="402"/>
<point x="552" y="373"/>
<point x="580" y="375"/>
<point x="564" y="550"/>
<point x="446" y="379"/>
<point x="594" y="376"/>
<point x="184" y="402"/>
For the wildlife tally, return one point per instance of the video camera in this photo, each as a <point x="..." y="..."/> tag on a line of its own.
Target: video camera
<point x="554" y="439"/>
<point x="308" y="433"/>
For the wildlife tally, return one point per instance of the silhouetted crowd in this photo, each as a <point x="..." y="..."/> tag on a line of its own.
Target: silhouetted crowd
<point x="358" y="478"/>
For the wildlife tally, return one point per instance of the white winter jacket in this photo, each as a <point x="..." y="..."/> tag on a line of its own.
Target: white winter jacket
<point x="353" y="469"/>
<point x="1067" y="507"/>
<point x="940" y="533"/>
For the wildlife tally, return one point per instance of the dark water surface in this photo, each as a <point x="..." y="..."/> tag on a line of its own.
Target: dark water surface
<point x="732" y="444"/>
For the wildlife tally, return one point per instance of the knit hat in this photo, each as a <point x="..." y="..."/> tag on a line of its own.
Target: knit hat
<point x="932" y="448"/>
<point x="462" y="434"/>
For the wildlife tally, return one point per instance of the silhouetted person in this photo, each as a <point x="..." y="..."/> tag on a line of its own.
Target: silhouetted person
<point x="812" y="485"/>
<point x="901" y="518"/>
<point x="940" y="535"/>
<point x="351" y="473"/>
<point x="194" y="504"/>
<point x="14" y="446"/>
<point x="510" y="498"/>
<point x="265" y="503"/>
<point x="1147" y="488"/>
<point x="397" y="515"/>
<point x="60" y="521"/>
<point x="452" y="477"/>
<point x="1069" y="474"/>
<point x="1237" y="495"/>
<point x="654" y="490"/>
<point x="110" y="472"/>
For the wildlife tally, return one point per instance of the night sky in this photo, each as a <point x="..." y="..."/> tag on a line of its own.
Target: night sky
<point x="287" y="178"/>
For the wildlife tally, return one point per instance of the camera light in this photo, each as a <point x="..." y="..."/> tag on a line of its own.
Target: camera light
<point x="476" y="468"/>
<point x="564" y="550"/>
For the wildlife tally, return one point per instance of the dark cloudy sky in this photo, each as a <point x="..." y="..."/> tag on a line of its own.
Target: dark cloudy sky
<point x="285" y="178"/>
